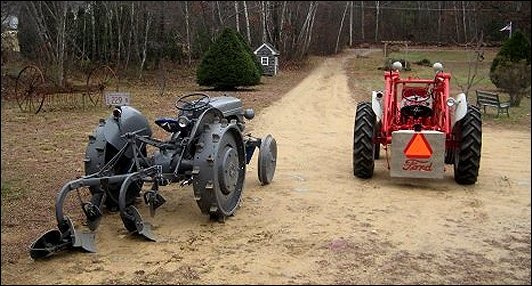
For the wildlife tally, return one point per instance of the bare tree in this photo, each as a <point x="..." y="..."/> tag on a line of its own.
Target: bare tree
<point x="219" y="13"/>
<point x="61" y="39"/>
<point x="456" y="21"/>
<point x="351" y="4"/>
<point x="313" y="9"/>
<point x="377" y="11"/>
<point x="341" y="26"/>
<point x="464" y="20"/>
<point x="440" y="16"/>
<point x="54" y="44"/>
<point x="475" y="56"/>
<point x="130" y="34"/>
<point x="189" y="52"/>
<point x="247" y="21"/>
<point x="236" y="17"/>
<point x="145" y="46"/>
<point x="362" y="19"/>
<point x="263" y="17"/>
<point x="281" y="26"/>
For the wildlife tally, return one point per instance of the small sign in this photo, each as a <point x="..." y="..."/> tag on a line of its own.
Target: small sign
<point x="418" y="147"/>
<point x="117" y="98"/>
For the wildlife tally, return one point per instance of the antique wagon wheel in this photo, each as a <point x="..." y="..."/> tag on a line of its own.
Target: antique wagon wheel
<point x="27" y="93"/>
<point x="101" y="78"/>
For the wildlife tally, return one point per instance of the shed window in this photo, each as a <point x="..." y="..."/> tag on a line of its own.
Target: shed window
<point x="264" y="61"/>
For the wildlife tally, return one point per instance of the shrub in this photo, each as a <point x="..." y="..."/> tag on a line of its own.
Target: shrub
<point x="423" y="62"/>
<point x="514" y="78"/>
<point x="513" y="50"/>
<point x="227" y="64"/>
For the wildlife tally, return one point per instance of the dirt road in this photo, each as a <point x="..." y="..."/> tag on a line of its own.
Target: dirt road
<point x="317" y="223"/>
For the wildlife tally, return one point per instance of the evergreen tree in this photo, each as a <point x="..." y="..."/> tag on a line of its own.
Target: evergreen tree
<point x="513" y="50"/>
<point x="250" y="51"/>
<point x="227" y="64"/>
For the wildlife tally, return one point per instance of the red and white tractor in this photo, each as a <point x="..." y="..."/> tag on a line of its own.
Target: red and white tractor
<point x="421" y="125"/>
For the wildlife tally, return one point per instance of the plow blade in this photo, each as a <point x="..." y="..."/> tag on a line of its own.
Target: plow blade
<point x="55" y="241"/>
<point x="133" y="223"/>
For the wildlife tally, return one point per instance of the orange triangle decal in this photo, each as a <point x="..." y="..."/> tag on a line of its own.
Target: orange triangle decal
<point x="418" y="147"/>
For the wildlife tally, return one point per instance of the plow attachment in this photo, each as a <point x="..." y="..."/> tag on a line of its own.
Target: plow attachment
<point x="66" y="237"/>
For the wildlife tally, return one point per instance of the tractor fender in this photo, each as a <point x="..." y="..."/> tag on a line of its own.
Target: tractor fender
<point x="130" y="120"/>
<point x="459" y="110"/>
<point x="376" y="104"/>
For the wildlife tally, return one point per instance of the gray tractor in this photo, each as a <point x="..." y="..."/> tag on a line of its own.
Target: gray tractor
<point x="206" y="148"/>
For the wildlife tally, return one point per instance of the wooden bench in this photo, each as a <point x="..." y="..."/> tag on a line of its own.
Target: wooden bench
<point x="486" y="98"/>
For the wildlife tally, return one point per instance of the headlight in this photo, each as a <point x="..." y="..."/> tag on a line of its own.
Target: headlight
<point x="451" y="101"/>
<point x="182" y="121"/>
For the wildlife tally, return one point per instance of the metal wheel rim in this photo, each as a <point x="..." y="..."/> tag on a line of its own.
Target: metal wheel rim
<point x="27" y="95"/>
<point x="98" y="81"/>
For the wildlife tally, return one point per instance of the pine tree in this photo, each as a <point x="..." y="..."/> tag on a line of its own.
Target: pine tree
<point x="227" y="64"/>
<point x="250" y="51"/>
<point x="513" y="50"/>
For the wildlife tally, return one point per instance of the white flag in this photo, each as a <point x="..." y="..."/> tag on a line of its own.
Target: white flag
<point x="508" y="27"/>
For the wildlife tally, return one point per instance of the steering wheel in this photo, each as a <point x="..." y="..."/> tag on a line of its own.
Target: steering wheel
<point x="186" y="104"/>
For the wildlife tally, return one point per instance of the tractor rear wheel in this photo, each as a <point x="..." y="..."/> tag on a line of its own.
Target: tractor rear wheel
<point x="220" y="169"/>
<point x="363" y="141"/>
<point x="98" y="153"/>
<point x="467" y="154"/>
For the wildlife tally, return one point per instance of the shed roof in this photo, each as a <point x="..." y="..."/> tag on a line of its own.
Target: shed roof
<point x="270" y="47"/>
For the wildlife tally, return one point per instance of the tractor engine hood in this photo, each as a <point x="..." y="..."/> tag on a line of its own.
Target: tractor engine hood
<point x="228" y="105"/>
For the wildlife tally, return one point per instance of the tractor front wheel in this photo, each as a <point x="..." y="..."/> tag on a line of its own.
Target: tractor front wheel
<point x="363" y="144"/>
<point x="467" y="153"/>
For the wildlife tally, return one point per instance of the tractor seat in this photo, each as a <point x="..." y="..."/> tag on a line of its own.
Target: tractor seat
<point x="168" y="124"/>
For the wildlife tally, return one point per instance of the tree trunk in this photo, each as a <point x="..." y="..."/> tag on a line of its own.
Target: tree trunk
<point x="263" y="16"/>
<point x="219" y="13"/>
<point x="377" y="11"/>
<point x="314" y="8"/>
<point x="130" y="34"/>
<point x="362" y="19"/>
<point x="440" y="13"/>
<point x="281" y="26"/>
<point x="351" y="24"/>
<point x="145" y="45"/>
<point x="341" y="26"/>
<point x="464" y="24"/>
<point x="247" y="21"/>
<point x="456" y="21"/>
<point x="119" y="54"/>
<point x="187" y="24"/>
<point x="109" y="14"/>
<point x="236" y="17"/>
<point x="93" y="22"/>
<point x="61" y="38"/>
